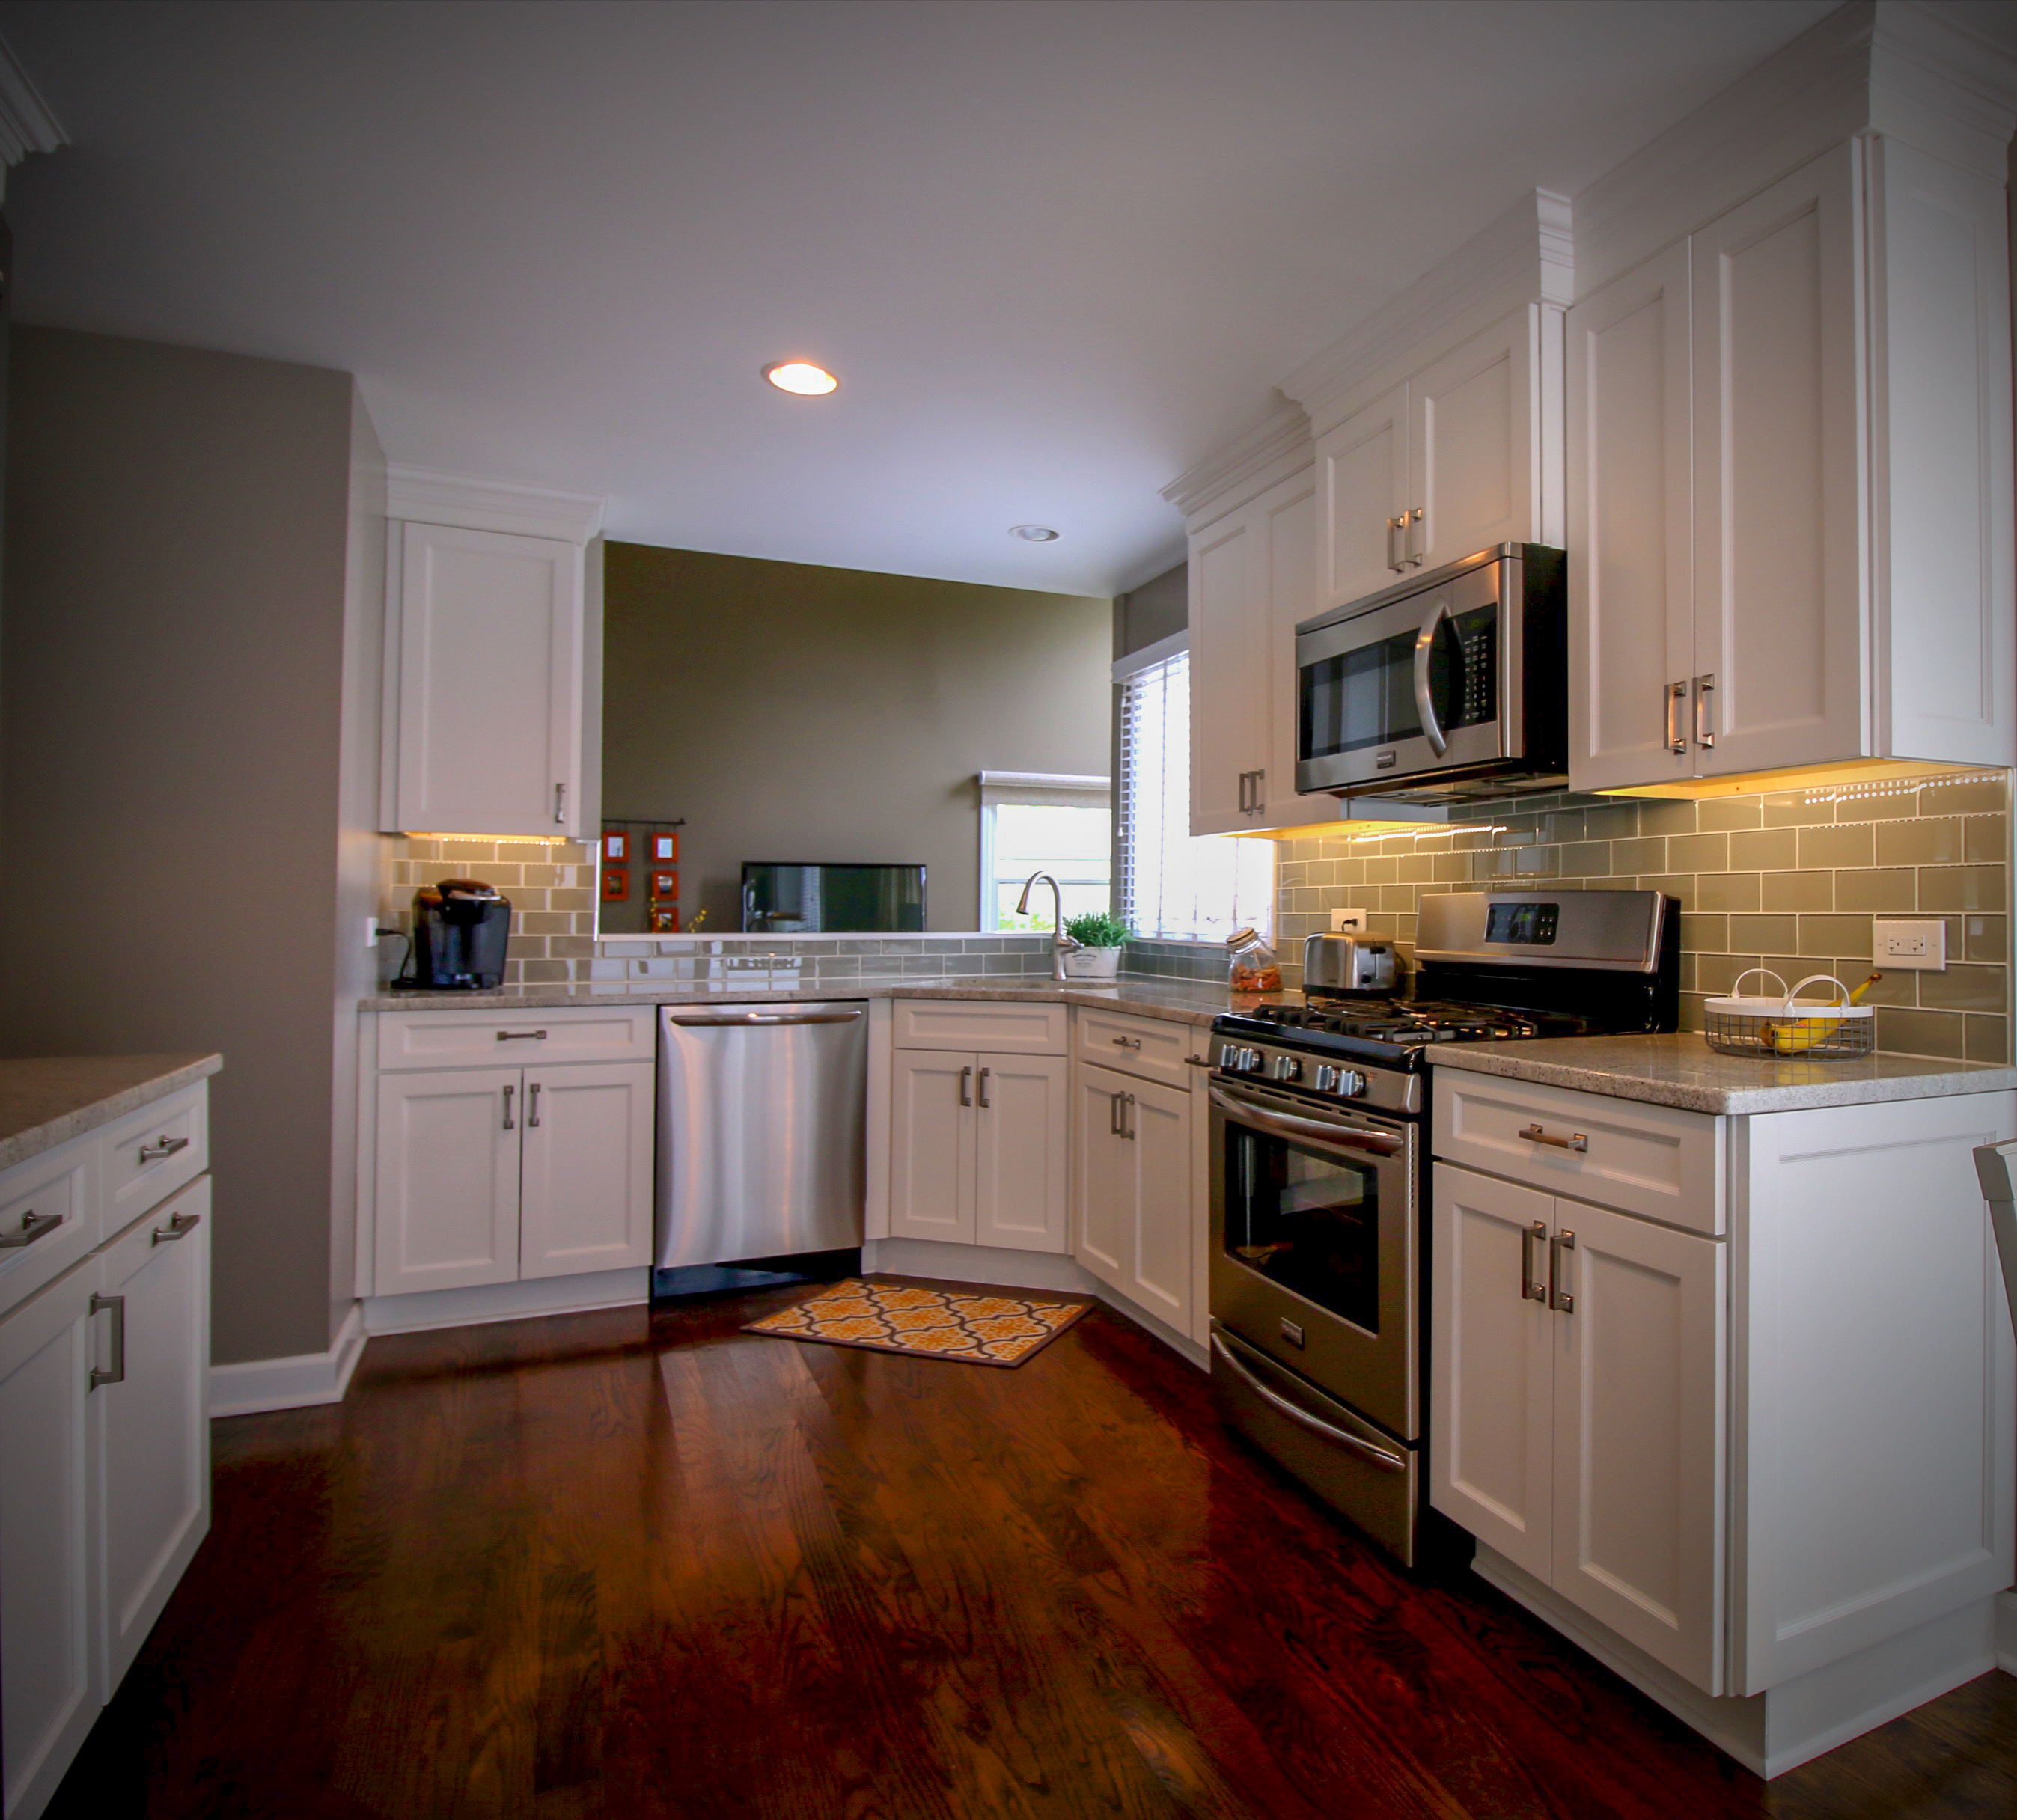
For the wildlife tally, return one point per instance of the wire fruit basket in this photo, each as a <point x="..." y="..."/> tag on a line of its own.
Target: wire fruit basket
<point x="1820" y="1029"/>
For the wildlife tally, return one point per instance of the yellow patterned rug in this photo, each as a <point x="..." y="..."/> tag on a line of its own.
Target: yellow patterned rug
<point x="935" y="1323"/>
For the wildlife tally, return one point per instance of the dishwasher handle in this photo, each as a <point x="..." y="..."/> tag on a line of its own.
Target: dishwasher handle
<point x="745" y="1020"/>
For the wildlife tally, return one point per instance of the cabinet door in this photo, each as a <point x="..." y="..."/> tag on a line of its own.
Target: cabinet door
<point x="1020" y="1178"/>
<point x="931" y="1145"/>
<point x="1491" y="1439"/>
<point x="48" y="1700"/>
<point x="1639" y="1434"/>
<point x="1778" y="441"/>
<point x="489" y="682"/>
<point x="1102" y="1176"/>
<point x="150" y="1432"/>
<point x="1362" y="473"/>
<point x="1229" y="676"/>
<point x="1631" y="586"/>
<point x="1288" y="522"/>
<point x="1162" y="1213"/>
<point x="1473" y="445"/>
<point x="448" y="1179"/>
<point x="585" y="1177"/>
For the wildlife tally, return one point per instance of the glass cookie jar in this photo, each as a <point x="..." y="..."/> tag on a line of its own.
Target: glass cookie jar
<point x="1250" y="963"/>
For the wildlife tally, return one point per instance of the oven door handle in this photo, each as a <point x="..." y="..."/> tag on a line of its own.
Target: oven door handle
<point x="1285" y="1125"/>
<point x="1425" y="643"/>
<point x="1379" y="1456"/>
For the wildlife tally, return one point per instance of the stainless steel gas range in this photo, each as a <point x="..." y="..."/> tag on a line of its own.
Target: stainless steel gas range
<point x="1320" y="1150"/>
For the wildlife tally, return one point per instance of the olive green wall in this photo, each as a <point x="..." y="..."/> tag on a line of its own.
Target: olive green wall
<point x="794" y="712"/>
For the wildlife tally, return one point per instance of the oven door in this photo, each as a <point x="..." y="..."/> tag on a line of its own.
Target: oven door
<point x="1412" y="684"/>
<point x="1315" y="1245"/>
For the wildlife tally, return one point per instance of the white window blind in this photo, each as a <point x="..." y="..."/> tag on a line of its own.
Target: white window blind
<point x="1174" y="885"/>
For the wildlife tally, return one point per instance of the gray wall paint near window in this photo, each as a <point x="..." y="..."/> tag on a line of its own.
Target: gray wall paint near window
<point x="793" y="712"/>
<point x="173" y="779"/>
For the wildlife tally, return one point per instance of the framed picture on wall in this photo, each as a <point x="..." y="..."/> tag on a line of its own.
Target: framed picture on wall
<point x="665" y="849"/>
<point x="615" y="883"/>
<point x="665" y="885"/>
<point x="664" y="919"/>
<point x="615" y="848"/>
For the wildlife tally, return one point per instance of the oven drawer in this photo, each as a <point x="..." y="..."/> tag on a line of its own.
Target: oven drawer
<point x="1365" y="1475"/>
<point x="147" y="1155"/>
<point x="1147" y="1047"/>
<point x="1650" y="1160"/>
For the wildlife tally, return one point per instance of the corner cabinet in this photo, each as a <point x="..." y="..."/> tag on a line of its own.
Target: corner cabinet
<point x="1790" y="483"/>
<point x="492" y="661"/>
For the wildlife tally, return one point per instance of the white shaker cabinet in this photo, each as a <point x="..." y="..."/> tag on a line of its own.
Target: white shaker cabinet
<point x="1132" y="1167"/>
<point x="1363" y="470"/>
<point x="585" y="1169"/>
<point x="977" y="1144"/>
<point x="1789" y="458"/>
<point x="448" y="1179"/>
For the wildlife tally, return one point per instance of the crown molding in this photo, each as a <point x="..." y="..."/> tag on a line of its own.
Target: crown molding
<point x="423" y="495"/>
<point x="1528" y="255"/>
<point x="27" y="123"/>
<point x="1939" y="83"/>
<point x="1281" y="439"/>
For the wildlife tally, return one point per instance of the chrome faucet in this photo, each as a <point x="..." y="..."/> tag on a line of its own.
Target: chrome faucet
<point x="1060" y="943"/>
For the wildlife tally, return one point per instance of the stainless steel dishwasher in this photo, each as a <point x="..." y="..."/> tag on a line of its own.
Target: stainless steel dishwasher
<point x="762" y="1119"/>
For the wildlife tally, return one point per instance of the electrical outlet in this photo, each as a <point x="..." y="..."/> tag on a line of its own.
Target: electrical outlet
<point x="1910" y="946"/>
<point x="1347" y="921"/>
<point x="371" y="931"/>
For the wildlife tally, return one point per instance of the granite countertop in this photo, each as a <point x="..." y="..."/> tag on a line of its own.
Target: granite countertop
<point x="1683" y="1071"/>
<point x="1176" y="1001"/>
<point x="46" y="1102"/>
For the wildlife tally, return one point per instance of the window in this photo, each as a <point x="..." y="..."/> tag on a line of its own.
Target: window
<point x="1034" y="821"/>
<point x="1174" y="885"/>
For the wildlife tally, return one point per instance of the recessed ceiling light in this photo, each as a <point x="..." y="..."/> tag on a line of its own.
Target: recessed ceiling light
<point x="1034" y="533"/>
<point x="801" y="376"/>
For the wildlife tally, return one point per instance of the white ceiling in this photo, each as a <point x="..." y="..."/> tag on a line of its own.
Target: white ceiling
<point x="1056" y="250"/>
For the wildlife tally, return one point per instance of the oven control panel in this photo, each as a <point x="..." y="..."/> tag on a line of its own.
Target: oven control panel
<point x="1388" y="1088"/>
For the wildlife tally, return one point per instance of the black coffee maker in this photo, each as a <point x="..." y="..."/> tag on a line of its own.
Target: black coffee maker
<point x="461" y="927"/>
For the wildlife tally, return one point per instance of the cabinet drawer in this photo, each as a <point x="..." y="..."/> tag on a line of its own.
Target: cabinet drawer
<point x="1006" y="1029"/>
<point x="488" y="1039"/>
<point x="1641" y="1158"/>
<point x="1145" y="1047"/>
<point x="148" y="1155"/>
<point x="55" y="1186"/>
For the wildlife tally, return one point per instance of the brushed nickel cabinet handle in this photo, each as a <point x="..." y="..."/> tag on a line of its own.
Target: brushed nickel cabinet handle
<point x="162" y="1147"/>
<point x="1559" y="1247"/>
<point x="1677" y="711"/>
<point x="1416" y="536"/>
<point x="965" y="1093"/>
<point x="1397" y="558"/>
<point x="115" y="1305"/>
<point x="34" y="1226"/>
<point x="1128" y="1115"/>
<point x="1539" y="1134"/>
<point x="560" y="804"/>
<point x="1113" y="1114"/>
<point x="981" y="1089"/>
<point x="179" y="1226"/>
<point x="508" y="1125"/>
<point x="1704" y="731"/>
<point x="531" y="1105"/>
<point x="1532" y="1287"/>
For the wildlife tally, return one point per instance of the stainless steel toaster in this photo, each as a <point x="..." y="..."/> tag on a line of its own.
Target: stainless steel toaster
<point x="1349" y="963"/>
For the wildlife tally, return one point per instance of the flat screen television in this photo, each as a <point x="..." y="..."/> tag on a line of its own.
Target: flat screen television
<point x="783" y="898"/>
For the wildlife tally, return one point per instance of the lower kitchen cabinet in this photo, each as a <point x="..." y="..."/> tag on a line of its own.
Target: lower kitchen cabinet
<point x="977" y="1149"/>
<point x="1136" y="1218"/>
<point x="492" y="1175"/>
<point x="1579" y="1408"/>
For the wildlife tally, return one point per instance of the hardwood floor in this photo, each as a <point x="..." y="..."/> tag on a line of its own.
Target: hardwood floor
<point x="623" y="1565"/>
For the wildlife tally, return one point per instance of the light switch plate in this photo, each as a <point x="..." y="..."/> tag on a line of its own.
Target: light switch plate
<point x="1917" y="945"/>
<point x="1347" y="922"/>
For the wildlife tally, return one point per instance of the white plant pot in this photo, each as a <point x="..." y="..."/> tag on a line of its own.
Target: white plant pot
<point x="1092" y="964"/>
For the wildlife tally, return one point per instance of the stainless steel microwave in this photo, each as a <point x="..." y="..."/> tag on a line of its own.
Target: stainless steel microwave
<point x="1453" y="683"/>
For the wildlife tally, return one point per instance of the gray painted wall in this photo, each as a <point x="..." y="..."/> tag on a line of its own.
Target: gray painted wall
<point x="183" y="842"/>
<point x="794" y="712"/>
<point x="1152" y="611"/>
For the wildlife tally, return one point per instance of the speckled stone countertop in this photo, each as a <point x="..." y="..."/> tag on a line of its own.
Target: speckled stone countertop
<point x="44" y="1103"/>
<point x="1683" y="1071"/>
<point x="1177" y="1001"/>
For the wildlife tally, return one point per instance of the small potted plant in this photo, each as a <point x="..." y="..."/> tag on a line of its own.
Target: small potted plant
<point x="1100" y="937"/>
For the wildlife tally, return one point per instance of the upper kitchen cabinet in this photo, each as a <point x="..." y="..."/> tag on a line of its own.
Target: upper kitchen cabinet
<point x="1437" y="422"/>
<point x="493" y="639"/>
<point x="1789" y="433"/>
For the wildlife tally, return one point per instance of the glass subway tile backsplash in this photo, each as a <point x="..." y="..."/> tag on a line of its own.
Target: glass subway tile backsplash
<point x="1788" y="879"/>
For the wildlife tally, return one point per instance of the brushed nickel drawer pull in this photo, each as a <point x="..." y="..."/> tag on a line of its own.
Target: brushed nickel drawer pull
<point x="522" y="1036"/>
<point x="1539" y="1134"/>
<point x="162" y="1147"/>
<point x="1126" y="1042"/>
<point x="179" y="1226"/>
<point x="34" y="1226"/>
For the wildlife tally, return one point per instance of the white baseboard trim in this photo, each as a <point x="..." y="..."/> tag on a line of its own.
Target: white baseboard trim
<point x="1018" y="1269"/>
<point x="254" y="1385"/>
<point x="427" y="1310"/>
<point x="2006" y="1631"/>
<point x="1792" y="1724"/>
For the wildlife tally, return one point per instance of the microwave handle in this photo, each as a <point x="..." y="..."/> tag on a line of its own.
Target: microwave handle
<point x="1425" y="641"/>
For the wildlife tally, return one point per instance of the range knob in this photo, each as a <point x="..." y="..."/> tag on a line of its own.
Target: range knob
<point x="1249" y="1061"/>
<point x="1326" y="1078"/>
<point x="1287" y="1068"/>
